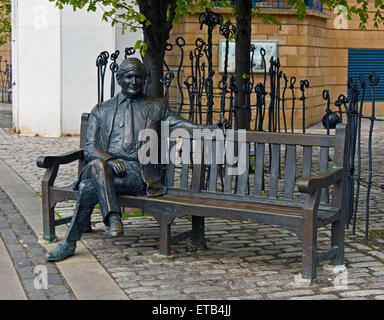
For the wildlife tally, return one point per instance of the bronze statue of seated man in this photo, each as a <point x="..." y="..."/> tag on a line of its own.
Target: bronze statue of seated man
<point x="111" y="154"/>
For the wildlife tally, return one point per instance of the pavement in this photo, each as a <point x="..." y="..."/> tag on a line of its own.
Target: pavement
<point x="244" y="261"/>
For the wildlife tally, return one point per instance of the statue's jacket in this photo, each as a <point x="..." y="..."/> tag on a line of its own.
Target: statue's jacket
<point x="105" y="116"/>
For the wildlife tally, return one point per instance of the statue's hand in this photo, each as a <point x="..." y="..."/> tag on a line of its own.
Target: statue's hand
<point x="118" y="167"/>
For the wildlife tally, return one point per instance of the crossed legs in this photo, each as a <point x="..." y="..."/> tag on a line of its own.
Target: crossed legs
<point x="97" y="185"/>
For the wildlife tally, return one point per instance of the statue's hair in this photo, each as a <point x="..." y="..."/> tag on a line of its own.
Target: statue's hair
<point x="130" y="64"/>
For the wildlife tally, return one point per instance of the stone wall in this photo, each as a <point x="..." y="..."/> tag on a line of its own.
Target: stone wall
<point x="310" y="49"/>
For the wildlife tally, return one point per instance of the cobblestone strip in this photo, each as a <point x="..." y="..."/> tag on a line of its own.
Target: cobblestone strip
<point x="244" y="260"/>
<point x="28" y="256"/>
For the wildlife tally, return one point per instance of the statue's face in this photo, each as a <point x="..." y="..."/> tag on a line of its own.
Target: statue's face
<point x="132" y="82"/>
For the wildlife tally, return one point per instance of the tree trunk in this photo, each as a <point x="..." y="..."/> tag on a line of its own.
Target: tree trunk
<point x="160" y="14"/>
<point x="243" y="45"/>
<point x="154" y="61"/>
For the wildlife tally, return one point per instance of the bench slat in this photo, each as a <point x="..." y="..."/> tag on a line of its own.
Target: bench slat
<point x="198" y="170"/>
<point x="227" y="179"/>
<point x="184" y="165"/>
<point x="275" y="169"/>
<point x="259" y="169"/>
<point x="184" y="176"/>
<point x="251" y="199"/>
<point x="243" y="178"/>
<point x="170" y="175"/>
<point x="307" y="164"/>
<point x="212" y="179"/>
<point x="295" y="138"/>
<point x="324" y="156"/>
<point x="290" y="171"/>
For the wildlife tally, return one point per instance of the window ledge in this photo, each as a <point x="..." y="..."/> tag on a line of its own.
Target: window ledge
<point x="325" y="14"/>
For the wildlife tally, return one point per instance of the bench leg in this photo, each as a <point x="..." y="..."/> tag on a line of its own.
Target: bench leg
<point x="338" y="227"/>
<point x="309" y="254"/>
<point x="198" y="232"/>
<point x="309" y="236"/>
<point x="49" y="233"/>
<point x="165" y="235"/>
<point x="337" y="239"/>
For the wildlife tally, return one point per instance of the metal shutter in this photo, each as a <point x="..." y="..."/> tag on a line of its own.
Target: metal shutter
<point x="366" y="61"/>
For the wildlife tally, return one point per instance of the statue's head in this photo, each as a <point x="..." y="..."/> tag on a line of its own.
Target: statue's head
<point x="131" y="77"/>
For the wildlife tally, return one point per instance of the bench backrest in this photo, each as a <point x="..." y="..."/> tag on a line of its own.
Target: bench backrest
<point x="273" y="163"/>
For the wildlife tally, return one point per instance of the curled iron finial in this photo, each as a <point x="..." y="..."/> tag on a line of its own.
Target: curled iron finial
<point x="285" y="77"/>
<point x="227" y="30"/>
<point x="180" y="42"/>
<point x="167" y="78"/>
<point x="223" y="85"/>
<point x="292" y="82"/>
<point x="259" y="89"/>
<point x="342" y="99"/>
<point x="189" y="81"/>
<point x="330" y="119"/>
<point x="114" y="66"/>
<point x="374" y="78"/>
<point x="199" y="43"/>
<point x="352" y="83"/>
<point x="102" y="59"/>
<point x="304" y="84"/>
<point x="168" y="47"/>
<point x="129" y="52"/>
<point x="326" y="94"/>
<point x="115" y="55"/>
<point x="232" y="84"/>
<point x="277" y="63"/>
<point x="210" y="19"/>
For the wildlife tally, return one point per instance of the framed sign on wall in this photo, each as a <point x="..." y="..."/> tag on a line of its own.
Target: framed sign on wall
<point x="269" y="46"/>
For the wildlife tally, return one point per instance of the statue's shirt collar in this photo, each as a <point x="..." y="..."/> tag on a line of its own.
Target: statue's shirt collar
<point x="122" y="98"/>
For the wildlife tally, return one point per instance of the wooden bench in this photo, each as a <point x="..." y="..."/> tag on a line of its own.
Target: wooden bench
<point x="265" y="192"/>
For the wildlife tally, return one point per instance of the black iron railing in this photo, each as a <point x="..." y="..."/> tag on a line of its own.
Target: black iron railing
<point x="273" y="103"/>
<point x="5" y="81"/>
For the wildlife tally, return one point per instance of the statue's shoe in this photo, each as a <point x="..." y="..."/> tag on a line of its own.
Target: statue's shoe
<point x="61" y="252"/>
<point x="116" y="227"/>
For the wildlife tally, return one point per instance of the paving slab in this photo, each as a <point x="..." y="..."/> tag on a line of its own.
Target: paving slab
<point x="86" y="277"/>
<point x="10" y="282"/>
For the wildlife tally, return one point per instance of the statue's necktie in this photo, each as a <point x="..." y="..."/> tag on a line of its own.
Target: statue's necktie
<point x="129" y="138"/>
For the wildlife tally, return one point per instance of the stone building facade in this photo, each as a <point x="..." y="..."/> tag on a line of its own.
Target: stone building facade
<point x="316" y="48"/>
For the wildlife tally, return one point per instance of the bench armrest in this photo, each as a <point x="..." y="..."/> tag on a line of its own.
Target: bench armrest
<point x="309" y="185"/>
<point x="49" y="161"/>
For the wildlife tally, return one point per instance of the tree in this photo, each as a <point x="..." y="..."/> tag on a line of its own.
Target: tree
<point x="5" y="24"/>
<point x="156" y="18"/>
<point x="243" y="61"/>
